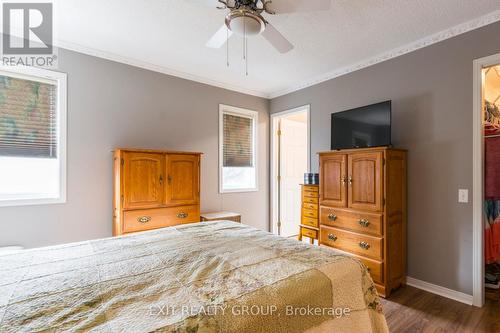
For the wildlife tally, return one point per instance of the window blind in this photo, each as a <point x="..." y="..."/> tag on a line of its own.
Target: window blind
<point x="28" y="122"/>
<point x="238" y="141"/>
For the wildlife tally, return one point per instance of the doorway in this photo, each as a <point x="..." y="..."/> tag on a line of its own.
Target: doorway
<point x="486" y="129"/>
<point x="290" y="159"/>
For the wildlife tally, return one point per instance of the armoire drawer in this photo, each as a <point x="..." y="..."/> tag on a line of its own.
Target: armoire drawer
<point x="375" y="268"/>
<point x="140" y="220"/>
<point x="359" y="222"/>
<point x="366" y="246"/>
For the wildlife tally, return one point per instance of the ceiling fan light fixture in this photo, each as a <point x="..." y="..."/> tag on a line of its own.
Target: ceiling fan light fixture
<point x="245" y="22"/>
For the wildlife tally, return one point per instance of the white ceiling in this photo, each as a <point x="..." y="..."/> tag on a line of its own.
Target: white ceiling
<point x="170" y="35"/>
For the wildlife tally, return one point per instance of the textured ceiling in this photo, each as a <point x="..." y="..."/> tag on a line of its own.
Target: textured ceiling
<point x="170" y="36"/>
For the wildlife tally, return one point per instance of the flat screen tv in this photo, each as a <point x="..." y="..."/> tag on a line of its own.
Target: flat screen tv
<point x="367" y="126"/>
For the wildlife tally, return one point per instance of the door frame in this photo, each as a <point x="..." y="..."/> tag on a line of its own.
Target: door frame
<point x="478" y="180"/>
<point x="274" y="158"/>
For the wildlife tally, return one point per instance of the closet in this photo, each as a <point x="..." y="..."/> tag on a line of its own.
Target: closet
<point x="491" y="106"/>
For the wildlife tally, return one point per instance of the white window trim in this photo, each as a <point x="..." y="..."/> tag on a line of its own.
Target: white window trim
<point x="227" y="109"/>
<point x="46" y="76"/>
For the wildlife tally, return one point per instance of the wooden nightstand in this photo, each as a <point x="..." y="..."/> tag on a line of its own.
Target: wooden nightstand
<point x="216" y="216"/>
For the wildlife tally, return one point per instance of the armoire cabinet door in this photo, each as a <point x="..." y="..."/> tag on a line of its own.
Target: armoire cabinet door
<point x="183" y="182"/>
<point x="365" y="180"/>
<point x="332" y="189"/>
<point x="143" y="183"/>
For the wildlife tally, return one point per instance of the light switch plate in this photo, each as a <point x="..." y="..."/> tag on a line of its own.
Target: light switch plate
<point x="463" y="196"/>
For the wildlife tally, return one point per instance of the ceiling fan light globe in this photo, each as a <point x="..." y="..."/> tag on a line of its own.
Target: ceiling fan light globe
<point x="245" y="23"/>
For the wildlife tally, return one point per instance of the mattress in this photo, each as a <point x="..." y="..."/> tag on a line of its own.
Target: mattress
<point x="204" y="277"/>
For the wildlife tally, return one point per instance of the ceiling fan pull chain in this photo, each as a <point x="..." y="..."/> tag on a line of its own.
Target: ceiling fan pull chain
<point x="244" y="36"/>
<point x="227" y="48"/>
<point x="246" y="56"/>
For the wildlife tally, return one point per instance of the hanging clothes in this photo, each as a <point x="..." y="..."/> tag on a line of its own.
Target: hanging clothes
<point x="492" y="231"/>
<point x="492" y="168"/>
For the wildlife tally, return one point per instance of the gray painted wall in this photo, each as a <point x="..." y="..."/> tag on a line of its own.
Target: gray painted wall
<point x="115" y="105"/>
<point x="431" y="90"/>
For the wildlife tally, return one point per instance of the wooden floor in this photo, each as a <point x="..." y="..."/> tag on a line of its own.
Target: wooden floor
<point x="413" y="310"/>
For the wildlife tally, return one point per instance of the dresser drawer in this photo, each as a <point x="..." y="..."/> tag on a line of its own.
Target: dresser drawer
<point x="309" y="233"/>
<point x="312" y="222"/>
<point x="310" y="213"/>
<point x="309" y="194"/>
<point x="351" y="242"/>
<point x="309" y="188"/>
<point x="310" y="200"/>
<point x="140" y="220"/>
<point x="312" y="206"/>
<point x="359" y="222"/>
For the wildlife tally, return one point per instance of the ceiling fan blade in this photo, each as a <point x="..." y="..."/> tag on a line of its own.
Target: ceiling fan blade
<point x="276" y="39"/>
<point x="292" y="6"/>
<point x="219" y="38"/>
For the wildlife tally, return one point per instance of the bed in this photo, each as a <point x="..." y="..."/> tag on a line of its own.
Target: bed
<point x="204" y="277"/>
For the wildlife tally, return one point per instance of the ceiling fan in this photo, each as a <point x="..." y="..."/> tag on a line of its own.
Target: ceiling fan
<point x="246" y="18"/>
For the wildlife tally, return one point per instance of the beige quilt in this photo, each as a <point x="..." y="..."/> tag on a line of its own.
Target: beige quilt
<point x="205" y="277"/>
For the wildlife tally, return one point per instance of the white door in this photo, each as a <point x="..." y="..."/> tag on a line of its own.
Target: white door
<point x="293" y="165"/>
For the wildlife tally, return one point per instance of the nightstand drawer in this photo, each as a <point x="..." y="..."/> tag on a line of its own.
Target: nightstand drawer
<point x="366" y="246"/>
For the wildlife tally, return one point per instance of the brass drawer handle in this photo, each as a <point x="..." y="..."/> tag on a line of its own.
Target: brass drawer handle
<point x="332" y="217"/>
<point x="364" y="223"/>
<point x="364" y="245"/>
<point x="344" y="180"/>
<point x="182" y="215"/>
<point x="332" y="237"/>
<point x="350" y="180"/>
<point x="311" y="206"/>
<point x="144" y="219"/>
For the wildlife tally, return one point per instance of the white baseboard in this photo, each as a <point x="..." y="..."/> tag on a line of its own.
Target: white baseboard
<point x="438" y="290"/>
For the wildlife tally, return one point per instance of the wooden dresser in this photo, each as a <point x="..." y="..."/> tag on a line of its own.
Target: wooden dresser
<point x="362" y="201"/>
<point x="155" y="189"/>
<point x="309" y="217"/>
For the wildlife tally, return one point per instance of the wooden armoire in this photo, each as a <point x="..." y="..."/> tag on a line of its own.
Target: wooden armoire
<point x="362" y="199"/>
<point x="155" y="189"/>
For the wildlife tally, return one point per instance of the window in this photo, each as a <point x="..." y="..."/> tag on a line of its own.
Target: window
<point x="237" y="149"/>
<point x="32" y="136"/>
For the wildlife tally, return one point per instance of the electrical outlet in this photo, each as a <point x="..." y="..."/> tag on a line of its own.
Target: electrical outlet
<point x="463" y="196"/>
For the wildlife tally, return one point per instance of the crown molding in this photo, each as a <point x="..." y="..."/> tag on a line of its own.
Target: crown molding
<point x="155" y="68"/>
<point x="394" y="53"/>
<point x="416" y="45"/>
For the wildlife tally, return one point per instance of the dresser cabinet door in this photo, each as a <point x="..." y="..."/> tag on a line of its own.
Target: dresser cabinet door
<point x="183" y="180"/>
<point x="333" y="185"/>
<point x="143" y="180"/>
<point x="365" y="180"/>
